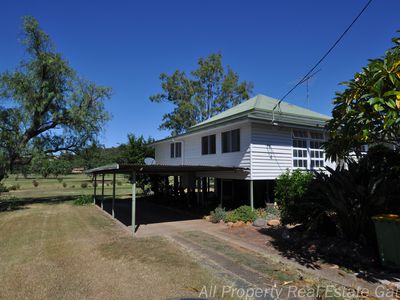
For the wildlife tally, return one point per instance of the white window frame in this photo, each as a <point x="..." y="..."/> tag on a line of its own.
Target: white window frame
<point x="300" y="135"/>
<point x="317" y="155"/>
<point x="313" y="163"/>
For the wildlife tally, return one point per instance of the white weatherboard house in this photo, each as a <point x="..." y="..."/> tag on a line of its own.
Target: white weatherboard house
<point x="259" y="141"/>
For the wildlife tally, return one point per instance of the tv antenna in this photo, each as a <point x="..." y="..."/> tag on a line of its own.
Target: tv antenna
<point x="306" y="80"/>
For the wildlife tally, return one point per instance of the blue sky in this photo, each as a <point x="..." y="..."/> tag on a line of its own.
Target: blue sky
<point x="127" y="44"/>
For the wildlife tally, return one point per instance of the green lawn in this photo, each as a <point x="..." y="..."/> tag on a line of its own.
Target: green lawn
<point x="63" y="186"/>
<point x="63" y="251"/>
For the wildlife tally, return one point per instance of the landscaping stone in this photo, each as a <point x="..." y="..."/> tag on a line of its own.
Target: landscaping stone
<point x="273" y="223"/>
<point x="259" y="222"/>
<point x="238" y="224"/>
<point x="230" y="224"/>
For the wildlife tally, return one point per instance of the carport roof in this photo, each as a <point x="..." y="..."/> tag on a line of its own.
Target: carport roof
<point x="157" y="169"/>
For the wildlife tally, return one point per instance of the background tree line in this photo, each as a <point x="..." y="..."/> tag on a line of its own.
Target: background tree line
<point x="134" y="151"/>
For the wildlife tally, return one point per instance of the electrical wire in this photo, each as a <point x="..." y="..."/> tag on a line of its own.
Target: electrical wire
<point x="304" y="78"/>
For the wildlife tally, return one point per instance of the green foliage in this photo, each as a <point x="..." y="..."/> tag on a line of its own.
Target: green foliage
<point x="289" y="191"/>
<point x="269" y="212"/>
<point x="243" y="213"/>
<point x="209" y="90"/>
<point x="49" y="108"/>
<point x="136" y="150"/>
<point x="13" y="187"/>
<point x="363" y="189"/>
<point x="367" y="111"/>
<point x="83" y="200"/>
<point x="35" y="183"/>
<point x="84" y="185"/>
<point x="218" y="214"/>
<point x="3" y="188"/>
<point x="64" y="184"/>
<point x="47" y="166"/>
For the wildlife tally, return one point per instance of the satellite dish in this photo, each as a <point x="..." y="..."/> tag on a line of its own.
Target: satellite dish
<point x="149" y="161"/>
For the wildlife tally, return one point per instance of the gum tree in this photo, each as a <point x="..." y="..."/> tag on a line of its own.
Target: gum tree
<point x="209" y="90"/>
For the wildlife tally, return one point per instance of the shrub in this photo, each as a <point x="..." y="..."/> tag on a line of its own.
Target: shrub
<point x="83" y="200"/>
<point x="35" y="183"/>
<point x="73" y="186"/>
<point x="289" y="192"/>
<point x="272" y="211"/>
<point x="84" y="185"/>
<point x="13" y="187"/>
<point x="360" y="191"/>
<point x="64" y="184"/>
<point x="261" y="213"/>
<point x="243" y="213"/>
<point x="218" y="214"/>
<point x="59" y="180"/>
<point x="119" y="183"/>
<point x="3" y="188"/>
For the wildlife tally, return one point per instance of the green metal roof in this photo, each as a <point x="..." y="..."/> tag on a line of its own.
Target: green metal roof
<point x="261" y="107"/>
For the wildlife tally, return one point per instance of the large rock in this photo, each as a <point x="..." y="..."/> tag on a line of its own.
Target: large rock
<point x="273" y="223"/>
<point x="259" y="222"/>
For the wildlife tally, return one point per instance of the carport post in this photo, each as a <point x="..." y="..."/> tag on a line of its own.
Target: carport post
<point x="222" y="192"/>
<point x="251" y="195"/>
<point x="133" y="202"/>
<point x="113" y="197"/>
<point x="102" y="190"/>
<point x="94" y="188"/>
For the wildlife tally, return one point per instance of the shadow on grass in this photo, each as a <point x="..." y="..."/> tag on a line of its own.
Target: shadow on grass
<point x="310" y="251"/>
<point x="22" y="202"/>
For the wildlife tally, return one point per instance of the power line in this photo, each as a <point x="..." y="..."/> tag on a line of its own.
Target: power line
<point x="304" y="78"/>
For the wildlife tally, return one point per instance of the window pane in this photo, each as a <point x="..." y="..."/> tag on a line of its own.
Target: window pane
<point x="235" y="140"/>
<point x="204" y="145"/>
<point x="225" y="142"/>
<point x="315" y="145"/>
<point x="295" y="162"/>
<point x="178" y="149"/>
<point x="172" y="150"/>
<point x="212" y="143"/>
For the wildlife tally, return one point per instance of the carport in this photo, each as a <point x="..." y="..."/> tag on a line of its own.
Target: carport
<point x="190" y="172"/>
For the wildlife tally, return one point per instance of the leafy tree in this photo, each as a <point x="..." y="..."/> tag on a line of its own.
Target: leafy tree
<point x="368" y="110"/>
<point x="48" y="107"/>
<point x="209" y="90"/>
<point x="136" y="150"/>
